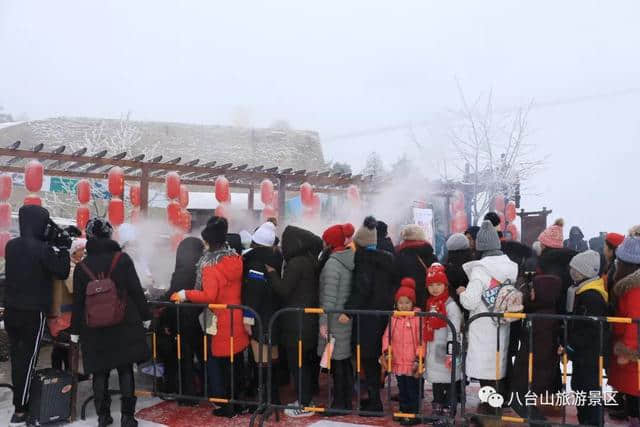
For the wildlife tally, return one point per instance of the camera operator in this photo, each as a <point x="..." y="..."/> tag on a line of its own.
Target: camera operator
<point x="33" y="261"/>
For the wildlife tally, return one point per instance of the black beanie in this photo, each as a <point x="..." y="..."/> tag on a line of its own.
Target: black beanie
<point x="493" y="217"/>
<point x="215" y="232"/>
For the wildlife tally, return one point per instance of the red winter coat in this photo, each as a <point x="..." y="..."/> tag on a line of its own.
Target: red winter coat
<point x="624" y="378"/>
<point x="222" y="284"/>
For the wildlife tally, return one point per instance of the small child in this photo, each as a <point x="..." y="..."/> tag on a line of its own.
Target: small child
<point x="437" y="334"/>
<point x="405" y="350"/>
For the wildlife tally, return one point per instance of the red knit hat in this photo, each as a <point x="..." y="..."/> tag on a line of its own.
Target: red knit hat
<point x="337" y="235"/>
<point x="407" y="289"/>
<point x="614" y="239"/>
<point x="437" y="274"/>
<point x="553" y="236"/>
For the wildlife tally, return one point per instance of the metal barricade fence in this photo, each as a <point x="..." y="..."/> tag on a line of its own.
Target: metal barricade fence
<point x="358" y="317"/>
<point x="530" y="319"/>
<point x="232" y="398"/>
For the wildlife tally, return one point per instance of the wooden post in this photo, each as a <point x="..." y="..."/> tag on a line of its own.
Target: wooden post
<point x="282" y="197"/>
<point x="251" y="196"/>
<point x="144" y="191"/>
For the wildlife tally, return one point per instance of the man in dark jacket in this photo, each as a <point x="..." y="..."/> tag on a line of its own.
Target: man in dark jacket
<point x="384" y="241"/>
<point x="114" y="347"/>
<point x="576" y="240"/>
<point x="32" y="264"/>
<point x="258" y="294"/>
<point x="298" y="287"/>
<point x="373" y="289"/>
<point x="413" y="257"/>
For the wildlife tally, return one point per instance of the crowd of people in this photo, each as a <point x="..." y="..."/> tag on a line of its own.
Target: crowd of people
<point x="346" y="269"/>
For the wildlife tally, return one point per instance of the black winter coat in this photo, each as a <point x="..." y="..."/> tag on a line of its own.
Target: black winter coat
<point x="407" y="264"/>
<point x="184" y="278"/>
<point x="104" y="349"/>
<point x="584" y="335"/>
<point x="556" y="262"/>
<point x="385" y="244"/>
<point x="32" y="264"/>
<point x="373" y="289"/>
<point x="257" y="288"/>
<point x="298" y="286"/>
<point x="456" y="275"/>
<point x="546" y="338"/>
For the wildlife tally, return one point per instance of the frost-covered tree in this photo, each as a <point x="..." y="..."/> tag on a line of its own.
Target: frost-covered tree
<point x="338" y="167"/>
<point x="374" y="166"/>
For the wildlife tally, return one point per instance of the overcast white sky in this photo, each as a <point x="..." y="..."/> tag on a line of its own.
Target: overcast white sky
<point x="343" y="66"/>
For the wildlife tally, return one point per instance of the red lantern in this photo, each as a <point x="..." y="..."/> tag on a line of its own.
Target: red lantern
<point x="32" y="199"/>
<point x="513" y="229"/>
<point x="184" y="196"/>
<point x="268" y="212"/>
<point x="116" y="211"/>
<point x="5" y="236"/>
<point x="134" y="195"/>
<point x="459" y="223"/>
<point x="306" y="194"/>
<point x="33" y="175"/>
<point x="222" y="190"/>
<point x="172" y="182"/>
<point x="223" y="210"/>
<point x="173" y="213"/>
<point x="82" y="217"/>
<point x="116" y="181"/>
<point x="83" y="191"/>
<point x="266" y="192"/>
<point x="5" y="216"/>
<point x="510" y="211"/>
<point x="498" y="203"/>
<point x="185" y="220"/>
<point x="6" y="186"/>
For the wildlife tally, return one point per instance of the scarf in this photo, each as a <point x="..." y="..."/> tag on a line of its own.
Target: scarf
<point x="211" y="258"/>
<point x="438" y="305"/>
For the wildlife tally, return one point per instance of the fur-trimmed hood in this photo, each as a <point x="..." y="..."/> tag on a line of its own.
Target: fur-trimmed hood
<point x="627" y="283"/>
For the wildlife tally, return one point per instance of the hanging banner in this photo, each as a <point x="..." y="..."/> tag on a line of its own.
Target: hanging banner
<point x="424" y="218"/>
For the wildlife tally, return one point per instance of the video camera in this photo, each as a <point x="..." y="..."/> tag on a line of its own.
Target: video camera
<point x="60" y="237"/>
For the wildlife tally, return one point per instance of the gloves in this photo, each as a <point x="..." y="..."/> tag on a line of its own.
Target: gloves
<point x="75" y="339"/>
<point x="180" y="296"/>
<point x="146" y="324"/>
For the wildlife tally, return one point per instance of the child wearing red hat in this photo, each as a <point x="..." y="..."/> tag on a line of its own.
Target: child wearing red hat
<point x="611" y="243"/>
<point x="437" y="334"/>
<point x="401" y="350"/>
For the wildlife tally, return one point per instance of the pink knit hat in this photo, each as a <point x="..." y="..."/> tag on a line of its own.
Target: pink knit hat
<point x="552" y="237"/>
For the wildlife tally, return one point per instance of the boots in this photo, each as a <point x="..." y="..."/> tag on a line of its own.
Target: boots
<point x="128" y="421"/>
<point x="104" y="420"/>
<point x="128" y="409"/>
<point x="373" y="403"/>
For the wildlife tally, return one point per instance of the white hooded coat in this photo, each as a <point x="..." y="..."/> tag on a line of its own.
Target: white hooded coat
<point x="482" y="339"/>
<point x="436" y="371"/>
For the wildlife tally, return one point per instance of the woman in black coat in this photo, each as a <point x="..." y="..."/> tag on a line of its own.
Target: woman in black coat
<point x="184" y="278"/>
<point x="116" y="347"/>
<point x="373" y="289"/>
<point x="413" y="257"/>
<point x="298" y="287"/>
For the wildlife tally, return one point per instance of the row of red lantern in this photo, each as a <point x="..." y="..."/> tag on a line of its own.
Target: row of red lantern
<point x="507" y="213"/>
<point x="6" y="188"/>
<point x="177" y="214"/>
<point x="223" y="196"/>
<point x="116" y="188"/>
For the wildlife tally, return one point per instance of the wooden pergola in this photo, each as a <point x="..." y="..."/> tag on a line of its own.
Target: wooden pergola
<point x="79" y="164"/>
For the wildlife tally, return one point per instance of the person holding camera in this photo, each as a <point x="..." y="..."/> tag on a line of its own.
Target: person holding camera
<point x="33" y="261"/>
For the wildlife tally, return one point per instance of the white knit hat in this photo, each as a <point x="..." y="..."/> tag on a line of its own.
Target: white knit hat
<point x="265" y="235"/>
<point x="586" y="263"/>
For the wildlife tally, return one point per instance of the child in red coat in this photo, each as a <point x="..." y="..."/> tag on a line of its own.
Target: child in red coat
<point x="401" y="350"/>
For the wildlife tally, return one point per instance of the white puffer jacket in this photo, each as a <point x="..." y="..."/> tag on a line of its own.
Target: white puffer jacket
<point x="481" y="355"/>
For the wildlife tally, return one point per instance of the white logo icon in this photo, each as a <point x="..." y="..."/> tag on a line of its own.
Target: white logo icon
<point x="489" y="395"/>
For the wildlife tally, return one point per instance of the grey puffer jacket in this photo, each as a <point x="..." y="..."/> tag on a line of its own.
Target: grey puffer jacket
<point x="335" y="288"/>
